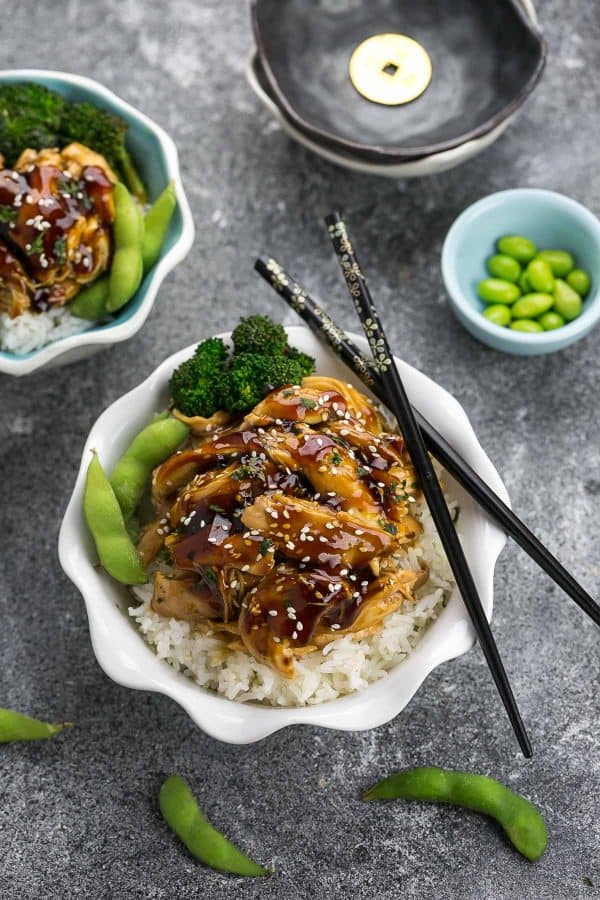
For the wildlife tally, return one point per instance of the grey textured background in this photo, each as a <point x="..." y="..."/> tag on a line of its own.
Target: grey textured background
<point x="78" y="815"/>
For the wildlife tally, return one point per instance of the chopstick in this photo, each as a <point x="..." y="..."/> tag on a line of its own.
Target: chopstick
<point x="399" y="404"/>
<point x="322" y="324"/>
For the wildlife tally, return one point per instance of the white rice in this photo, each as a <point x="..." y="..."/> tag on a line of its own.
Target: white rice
<point x="344" y="666"/>
<point x="30" y="331"/>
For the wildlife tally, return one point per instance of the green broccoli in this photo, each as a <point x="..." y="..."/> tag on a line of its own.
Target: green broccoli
<point x="306" y="362"/>
<point x="30" y="116"/>
<point x="258" y="334"/>
<point x="251" y="376"/>
<point x="105" y="133"/>
<point x="197" y="384"/>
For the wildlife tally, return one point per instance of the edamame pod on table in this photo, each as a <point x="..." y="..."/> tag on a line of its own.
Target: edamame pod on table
<point x="90" y="303"/>
<point x="517" y="246"/>
<point x="148" y="449"/>
<point x="579" y="281"/>
<point x="521" y="821"/>
<point x="505" y="267"/>
<point x="182" y="813"/>
<point x="15" y="726"/>
<point x="107" y="525"/>
<point x="127" y="268"/>
<point x="567" y="302"/>
<point x="560" y="261"/>
<point x="495" y="290"/>
<point x="155" y="225"/>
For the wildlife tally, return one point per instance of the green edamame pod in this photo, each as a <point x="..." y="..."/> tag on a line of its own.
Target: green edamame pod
<point x="155" y="225"/>
<point x="567" y="302"/>
<point x="495" y="290"/>
<point x="520" y="248"/>
<point x="530" y="306"/>
<point x="149" y="448"/>
<point x="126" y="270"/>
<point x="580" y="281"/>
<point x="90" y="303"/>
<point x="524" y="283"/>
<point x="505" y="267"/>
<point x="498" y="313"/>
<point x="105" y="521"/>
<point x="521" y="821"/>
<point x="540" y="276"/>
<point x="560" y="261"/>
<point x="526" y="325"/>
<point x="182" y="813"/>
<point x="16" y="726"/>
<point x="551" y="320"/>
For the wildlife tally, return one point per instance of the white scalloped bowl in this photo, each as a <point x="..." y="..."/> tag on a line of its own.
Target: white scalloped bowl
<point x="156" y="158"/>
<point x="128" y="660"/>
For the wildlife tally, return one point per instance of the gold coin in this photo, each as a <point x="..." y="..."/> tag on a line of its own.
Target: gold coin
<point x="390" y="69"/>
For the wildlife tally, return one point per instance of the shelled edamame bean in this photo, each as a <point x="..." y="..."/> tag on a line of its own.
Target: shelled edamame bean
<point x="532" y="290"/>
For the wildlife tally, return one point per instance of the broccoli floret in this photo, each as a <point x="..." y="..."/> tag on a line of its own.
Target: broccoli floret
<point x="30" y="116"/>
<point x="252" y="375"/>
<point x="306" y="362"/>
<point x="258" y="334"/>
<point x="197" y="384"/>
<point x="105" y="133"/>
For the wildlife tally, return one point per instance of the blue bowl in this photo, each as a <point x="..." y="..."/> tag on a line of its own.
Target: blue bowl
<point x="156" y="159"/>
<point x="551" y="221"/>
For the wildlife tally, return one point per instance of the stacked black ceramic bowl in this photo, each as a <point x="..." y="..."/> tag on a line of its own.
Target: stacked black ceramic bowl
<point x="484" y="61"/>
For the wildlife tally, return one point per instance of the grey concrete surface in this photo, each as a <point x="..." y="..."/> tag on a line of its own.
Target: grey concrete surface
<point x="78" y="816"/>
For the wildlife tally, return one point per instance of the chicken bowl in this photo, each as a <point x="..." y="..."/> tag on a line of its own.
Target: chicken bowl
<point x="65" y="142"/>
<point x="347" y="666"/>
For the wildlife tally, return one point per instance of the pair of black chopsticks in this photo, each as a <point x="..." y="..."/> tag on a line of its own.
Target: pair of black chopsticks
<point x="381" y="375"/>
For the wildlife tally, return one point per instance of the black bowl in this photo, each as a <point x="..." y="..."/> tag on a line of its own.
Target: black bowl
<point x="487" y="58"/>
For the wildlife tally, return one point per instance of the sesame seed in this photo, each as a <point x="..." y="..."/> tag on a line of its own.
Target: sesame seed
<point x="272" y="612"/>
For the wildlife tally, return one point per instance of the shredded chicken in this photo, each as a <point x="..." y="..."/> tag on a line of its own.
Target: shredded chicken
<point x="281" y="531"/>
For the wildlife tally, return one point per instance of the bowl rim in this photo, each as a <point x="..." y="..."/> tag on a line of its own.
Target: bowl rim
<point x="230" y="720"/>
<point x="374" y="153"/>
<point x="13" y="364"/>
<point x="547" y="340"/>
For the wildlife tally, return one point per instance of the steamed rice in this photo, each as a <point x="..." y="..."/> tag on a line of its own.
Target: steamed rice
<point x="343" y="666"/>
<point x="30" y="331"/>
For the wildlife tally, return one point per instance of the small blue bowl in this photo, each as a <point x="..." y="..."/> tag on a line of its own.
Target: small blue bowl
<point x="156" y="159"/>
<point x="551" y="221"/>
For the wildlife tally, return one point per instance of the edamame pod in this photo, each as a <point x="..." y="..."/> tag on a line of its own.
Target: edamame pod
<point x="90" y="303"/>
<point x="527" y="325"/>
<point x="540" y="276"/>
<point x="560" y="261"/>
<point x="182" y="813"/>
<point x="524" y="283"/>
<point x="495" y="290"/>
<point x="520" y="248"/>
<point x="551" y="320"/>
<point x="567" y="302"/>
<point x="530" y="306"/>
<point x="498" y="313"/>
<point x="148" y="449"/>
<point x="155" y="225"/>
<point x="16" y="726"/>
<point x="505" y="267"/>
<point x="127" y="268"/>
<point x="579" y="281"/>
<point x="521" y="821"/>
<point x="105" y="521"/>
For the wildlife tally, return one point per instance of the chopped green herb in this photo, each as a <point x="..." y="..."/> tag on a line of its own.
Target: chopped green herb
<point x="307" y="403"/>
<point x="60" y="250"/>
<point x="287" y="394"/>
<point x="215" y="508"/>
<point x="335" y="458"/>
<point x="388" y="526"/>
<point x="36" y="246"/>
<point x="251" y="469"/>
<point x="264" y="546"/>
<point x="7" y="213"/>
<point x="209" y="574"/>
<point x="362" y="472"/>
